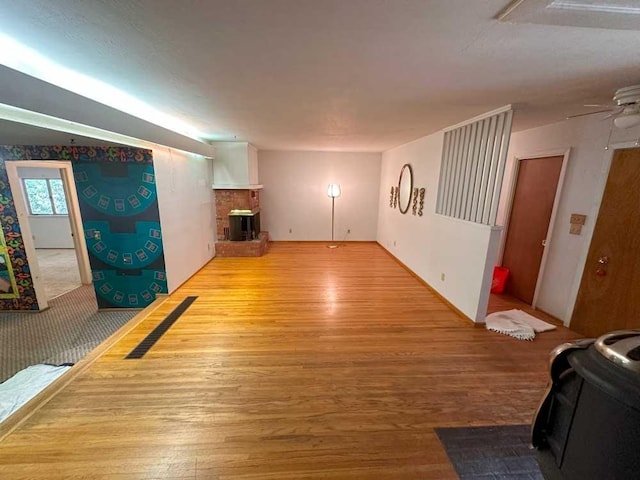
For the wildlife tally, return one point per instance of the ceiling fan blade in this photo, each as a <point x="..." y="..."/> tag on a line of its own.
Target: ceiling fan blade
<point x="617" y="111"/>
<point x="589" y="113"/>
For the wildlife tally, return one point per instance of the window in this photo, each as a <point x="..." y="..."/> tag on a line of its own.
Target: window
<point x="45" y="196"/>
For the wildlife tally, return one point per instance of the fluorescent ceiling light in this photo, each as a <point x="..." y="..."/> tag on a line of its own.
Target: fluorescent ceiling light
<point x="27" y="117"/>
<point x="625" y="8"/>
<point x="19" y="57"/>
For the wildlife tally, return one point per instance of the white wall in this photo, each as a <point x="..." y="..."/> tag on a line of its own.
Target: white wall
<point x="252" y="166"/>
<point x="582" y="191"/>
<point x="235" y="165"/>
<point x="187" y="212"/>
<point x="294" y="203"/>
<point x="48" y="231"/>
<point x="433" y="245"/>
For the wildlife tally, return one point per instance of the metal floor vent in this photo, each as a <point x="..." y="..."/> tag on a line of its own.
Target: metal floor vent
<point x="149" y="341"/>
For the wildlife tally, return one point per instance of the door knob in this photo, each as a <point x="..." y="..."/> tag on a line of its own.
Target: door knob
<point x="601" y="271"/>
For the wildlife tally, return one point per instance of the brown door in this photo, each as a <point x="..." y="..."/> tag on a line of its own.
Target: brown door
<point x="529" y="222"/>
<point x="609" y="295"/>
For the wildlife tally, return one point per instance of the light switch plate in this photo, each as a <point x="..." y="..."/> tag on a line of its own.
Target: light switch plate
<point x="577" y="219"/>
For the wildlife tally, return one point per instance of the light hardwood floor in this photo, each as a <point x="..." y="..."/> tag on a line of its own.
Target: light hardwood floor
<point x="306" y="363"/>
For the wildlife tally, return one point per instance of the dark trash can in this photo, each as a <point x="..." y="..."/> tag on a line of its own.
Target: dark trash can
<point x="588" y="424"/>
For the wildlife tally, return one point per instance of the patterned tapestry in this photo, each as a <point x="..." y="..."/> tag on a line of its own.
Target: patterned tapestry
<point x="120" y="217"/>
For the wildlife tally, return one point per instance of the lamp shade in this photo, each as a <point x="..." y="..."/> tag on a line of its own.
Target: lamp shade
<point x="333" y="191"/>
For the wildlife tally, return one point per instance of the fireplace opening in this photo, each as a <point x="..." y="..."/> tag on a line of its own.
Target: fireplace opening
<point x="244" y="225"/>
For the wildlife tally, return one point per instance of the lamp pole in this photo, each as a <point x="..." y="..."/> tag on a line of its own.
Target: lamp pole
<point x="333" y="209"/>
<point x="333" y="191"/>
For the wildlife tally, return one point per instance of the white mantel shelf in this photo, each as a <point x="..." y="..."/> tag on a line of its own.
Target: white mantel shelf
<point x="236" y="187"/>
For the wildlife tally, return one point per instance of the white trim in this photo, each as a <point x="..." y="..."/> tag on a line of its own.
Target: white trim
<point x="236" y="187"/>
<point x="554" y="210"/>
<point x="470" y="223"/>
<point x="483" y="116"/>
<point x="591" y="223"/>
<point x="23" y="220"/>
<point x="75" y="220"/>
<point x="552" y="221"/>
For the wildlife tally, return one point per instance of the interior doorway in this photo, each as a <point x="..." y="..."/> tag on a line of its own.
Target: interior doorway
<point x="535" y="196"/>
<point x="608" y="294"/>
<point x="43" y="191"/>
<point x="48" y="212"/>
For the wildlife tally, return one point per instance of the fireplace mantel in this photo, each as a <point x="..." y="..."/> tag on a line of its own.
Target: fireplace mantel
<point x="236" y="187"/>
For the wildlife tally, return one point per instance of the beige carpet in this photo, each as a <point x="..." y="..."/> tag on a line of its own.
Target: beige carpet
<point x="59" y="270"/>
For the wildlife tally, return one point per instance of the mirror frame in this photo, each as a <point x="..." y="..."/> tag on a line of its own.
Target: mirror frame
<point x="406" y="167"/>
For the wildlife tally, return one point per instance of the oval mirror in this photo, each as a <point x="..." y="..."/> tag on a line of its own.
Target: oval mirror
<point x="405" y="187"/>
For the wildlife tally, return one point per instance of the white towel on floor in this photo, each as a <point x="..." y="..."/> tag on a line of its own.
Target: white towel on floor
<point x="517" y="323"/>
<point x="24" y="385"/>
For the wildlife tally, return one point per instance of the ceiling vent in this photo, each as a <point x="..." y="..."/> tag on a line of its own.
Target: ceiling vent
<point x="609" y="14"/>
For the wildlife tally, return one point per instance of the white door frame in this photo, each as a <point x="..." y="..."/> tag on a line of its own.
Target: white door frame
<point x="554" y="211"/>
<point x="610" y="151"/>
<point x="75" y="220"/>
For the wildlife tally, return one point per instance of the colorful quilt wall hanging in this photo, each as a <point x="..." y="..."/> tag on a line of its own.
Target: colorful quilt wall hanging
<point x="121" y="222"/>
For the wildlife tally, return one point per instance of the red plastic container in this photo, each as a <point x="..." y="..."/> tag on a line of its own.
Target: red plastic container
<point x="500" y="275"/>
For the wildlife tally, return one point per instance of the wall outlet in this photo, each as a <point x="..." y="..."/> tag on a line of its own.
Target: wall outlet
<point x="348" y="230"/>
<point x="290" y="230"/>
<point x="442" y="277"/>
<point x="394" y="243"/>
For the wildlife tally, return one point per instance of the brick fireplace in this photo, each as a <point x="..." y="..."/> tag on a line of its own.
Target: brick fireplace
<point x="237" y="199"/>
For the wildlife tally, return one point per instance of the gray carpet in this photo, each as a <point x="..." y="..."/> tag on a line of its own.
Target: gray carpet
<point x="491" y="453"/>
<point x="59" y="270"/>
<point x="64" y="333"/>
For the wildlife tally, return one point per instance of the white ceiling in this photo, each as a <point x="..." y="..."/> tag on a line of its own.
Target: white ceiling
<point x="350" y="75"/>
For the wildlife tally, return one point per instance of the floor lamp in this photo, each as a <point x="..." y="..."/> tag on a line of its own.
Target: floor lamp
<point x="333" y="192"/>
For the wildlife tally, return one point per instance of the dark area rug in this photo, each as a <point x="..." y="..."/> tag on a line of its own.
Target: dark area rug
<point x="491" y="453"/>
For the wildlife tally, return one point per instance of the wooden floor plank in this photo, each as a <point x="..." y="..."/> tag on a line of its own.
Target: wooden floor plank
<point x="305" y="363"/>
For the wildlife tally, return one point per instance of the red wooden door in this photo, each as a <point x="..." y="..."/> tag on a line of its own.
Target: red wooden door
<point x="533" y="200"/>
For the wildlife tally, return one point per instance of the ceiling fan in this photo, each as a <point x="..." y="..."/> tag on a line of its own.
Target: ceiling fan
<point x="625" y="112"/>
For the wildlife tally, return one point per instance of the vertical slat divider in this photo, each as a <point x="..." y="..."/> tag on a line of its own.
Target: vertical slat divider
<point x="501" y="166"/>
<point x="477" y="171"/>
<point x="463" y="154"/>
<point x="497" y="140"/>
<point x="486" y="168"/>
<point x="468" y="190"/>
<point x="454" y="158"/>
<point x="444" y="165"/>
<point x="472" y="168"/>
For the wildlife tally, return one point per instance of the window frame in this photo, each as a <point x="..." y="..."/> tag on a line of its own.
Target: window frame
<point x="51" y="200"/>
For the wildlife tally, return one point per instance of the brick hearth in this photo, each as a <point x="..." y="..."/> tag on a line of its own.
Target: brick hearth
<point x="252" y="248"/>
